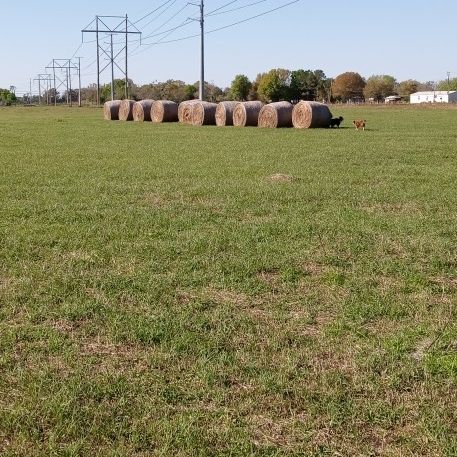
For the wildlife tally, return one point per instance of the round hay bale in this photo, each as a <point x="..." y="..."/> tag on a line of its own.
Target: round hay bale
<point x="142" y="111"/>
<point x="204" y="113"/>
<point x="310" y="115"/>
<point x="224" y="113"/>
<point x="164" y="111"/>
<point x="247" y="114"/>
<point x="185" y="111"/>
<point x="111" y="110"/>
<point x="126" y="110"/>
<point x="275" y="115"/>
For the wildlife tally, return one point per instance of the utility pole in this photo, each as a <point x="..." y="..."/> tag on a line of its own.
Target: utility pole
<point x="39" y="90"/>
<point x="126" y="58"/>
<point x="112" y="70"/>
<point x="98" y="63"/>
<point x="55" y="90"/>
<point x="79" y="81"/>
<point x="448" y="81"/>
<point x="66" y="82"/>
<point x="30" y="102"/>
<point x="110" y="25"/>
<point x="69" y="85"/>
<point x="202" y="57"/>
<point x="201" y="91"/>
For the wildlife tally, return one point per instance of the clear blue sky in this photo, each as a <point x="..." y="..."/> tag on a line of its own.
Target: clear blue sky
<point x="406" y="39"/>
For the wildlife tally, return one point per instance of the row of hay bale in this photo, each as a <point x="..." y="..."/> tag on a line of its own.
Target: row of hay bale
<point x="303" y="115"/>
<point x="142" y="111"/>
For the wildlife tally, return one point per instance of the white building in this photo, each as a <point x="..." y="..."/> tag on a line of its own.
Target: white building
<point x="437" y="96"/>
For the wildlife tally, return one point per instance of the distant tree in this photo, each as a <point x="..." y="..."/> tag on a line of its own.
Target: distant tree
<point x="408" y="87"/>
<point x="148" y="91"/>
<point x="240" y="87"/>
<point x="190" y="91"/>
<point x="73" y="93"/>
<point x="213" y="93"/>
<point x="322" y="85"/>
<point x="427" y="85"/>
<point x="308" y="85"/>
<point x="89" y="94"/>
<point x="302" y="85"/>
<point x="172" y="89"/>
<point x="7" y="97"/>
<point x="445" y="85"/>
<point x="348" y="85"/>
<point x="119" y="90"/>
<point x="379" y="87"/>
<point x="253" y="94"/>
<point x="274" y="85"/>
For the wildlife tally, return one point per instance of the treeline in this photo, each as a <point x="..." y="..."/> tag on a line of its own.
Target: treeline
<point x="280" y="84"/>
<point x="352" y="86"/>
<point x="274" y="85"/>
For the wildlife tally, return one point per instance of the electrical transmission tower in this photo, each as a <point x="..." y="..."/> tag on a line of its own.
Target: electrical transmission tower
<point x="43" y="77"/>
<point x="124" y="27"/>
<point x="63" y="77"/>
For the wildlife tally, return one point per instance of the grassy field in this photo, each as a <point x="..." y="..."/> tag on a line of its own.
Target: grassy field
<point x="163" y="292"/>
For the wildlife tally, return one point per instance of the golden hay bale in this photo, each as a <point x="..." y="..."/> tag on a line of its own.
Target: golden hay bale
<point x="126" y="110"/>
<point x="204" y="113"/>
<point x="185" y="111"/>
<point x="310" y="115"/>
<point x="142" y="110"/>
<point x="224" y="113"/>
<point x="164" y="111"/>
<point x="111" y="110"/>
<point x="275" y="115"/>
<point x="247" y="114"/>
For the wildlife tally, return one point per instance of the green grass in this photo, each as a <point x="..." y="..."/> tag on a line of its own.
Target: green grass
<point x="161" y="296"/>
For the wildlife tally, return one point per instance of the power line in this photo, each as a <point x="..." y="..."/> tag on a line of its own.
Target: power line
<point x="236" y="9"/>
<point x="153" y="34"/>
<point x="253" y="17"/>
<point x="171" y="18"/>
<point x="221" y="7"/>
<point x="186" y="22"/>
<point x="152" y="12"/>
<point x="79" y="47"/>
<point x="216" y="29"/>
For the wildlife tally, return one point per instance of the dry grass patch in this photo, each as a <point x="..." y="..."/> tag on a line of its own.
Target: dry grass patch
<point x="227" y="296"/>
<point x="401" y="208"/>
<point x="97" y="295"/>
<point x="281" y="177"/>
<point x="79" y="255"/>
<point x="282" y="433"/>
<point x="315" y="269"/>
<point x="421" y="349"/>
<point x="7" y="285"/>
<point x="193" y="201"/>
<point x="445" y="283"/>
<point x="270" y="277"/>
